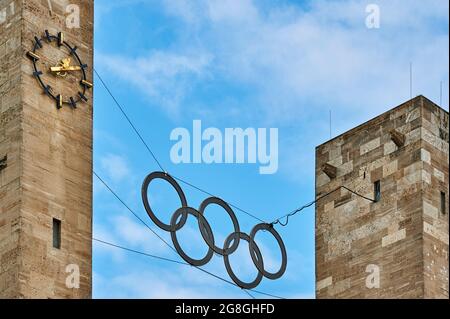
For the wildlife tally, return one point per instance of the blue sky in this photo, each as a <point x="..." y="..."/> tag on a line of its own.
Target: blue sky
<point x="260" y="64"/>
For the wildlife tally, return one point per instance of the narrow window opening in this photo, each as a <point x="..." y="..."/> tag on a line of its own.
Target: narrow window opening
<point x="56" y="233"/>
<point x="443" y="203"/>
<point x="377" y="191"/>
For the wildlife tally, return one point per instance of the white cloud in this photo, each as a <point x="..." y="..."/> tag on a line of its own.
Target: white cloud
<point x="295" y="60"/>
<point x="133" y="233"/>
<point x="174" y="283"/>
<point x="115" y="166"/>
<point x="102" y="233"/>
<point x="324" y="57"/>
<point x="184" y="9"/>
<point x="164" y="76"/>
<point x="240" y="11"/>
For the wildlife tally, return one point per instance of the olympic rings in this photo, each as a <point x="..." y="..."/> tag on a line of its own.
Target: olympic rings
<point x="259" y="259"/>
<point x="259" y="265"/>
<point x="148" y="209"/>
<point x="173" y="233"/>
<point x="232" y="241"/>
<point x="220" y="202"/>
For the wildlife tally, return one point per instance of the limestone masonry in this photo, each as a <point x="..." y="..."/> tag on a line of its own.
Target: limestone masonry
<point x="396" y="247"/>
<point x="47" y="174"/>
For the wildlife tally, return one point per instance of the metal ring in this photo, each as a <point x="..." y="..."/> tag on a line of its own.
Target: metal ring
<point x="231" y="243"/>
<point x="184" y="211"/>
<point x="210" y="241"/>
<point x="237" y="281"/>
<point x="148" y="209"/>
<point x="260" y="266"/>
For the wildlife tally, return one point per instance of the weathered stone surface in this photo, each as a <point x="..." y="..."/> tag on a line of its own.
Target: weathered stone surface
<point x="404" y="236"/>
<point x="324" y="283"/>
<point x="393" y="238"/>
<point x="330" y="170"/>
<point x="49" y="171"/>
<point x="398" y="138"/>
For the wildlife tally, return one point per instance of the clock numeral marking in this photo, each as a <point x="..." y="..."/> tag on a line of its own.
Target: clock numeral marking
<point x="38" y="42"/>
<point x="60" y="38"/>
<point x="33" y="55"/>
<point x="3" y="163"/>
<point x="86" y="84"/>
<point x="73" y="103"/>
<point x="48" y="89"/>
<point x="73" y="50"/>
<point x="47" y="36"/>
<point x="37" y="73"/>
<point x="59" y="101"/>
<point x="82" y="96"/>
<point x="84" y="66"/>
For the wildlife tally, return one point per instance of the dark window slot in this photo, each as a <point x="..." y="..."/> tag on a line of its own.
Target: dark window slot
<point x="56" y="233"/>
<point x="377" y="191"/>
<point x="443" y="203"/>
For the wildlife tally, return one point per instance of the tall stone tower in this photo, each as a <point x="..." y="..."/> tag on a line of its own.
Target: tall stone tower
<point x="46" y="60"/>
<point x="396" y="247"/>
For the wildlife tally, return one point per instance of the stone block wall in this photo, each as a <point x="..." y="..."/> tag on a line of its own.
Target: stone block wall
<point x="396" y="247"/>
<point x="49" y="171"/>
<point x="10" y="144"/>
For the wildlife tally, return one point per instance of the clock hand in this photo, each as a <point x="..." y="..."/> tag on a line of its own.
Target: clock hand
<point x="64" y="69"/>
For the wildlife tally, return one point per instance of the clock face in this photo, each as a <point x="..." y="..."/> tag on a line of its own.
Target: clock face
<point x="59" y="70"/>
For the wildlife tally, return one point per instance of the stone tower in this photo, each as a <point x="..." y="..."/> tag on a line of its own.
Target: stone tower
<point x="396" y="247"/>
<point x="46" y="148"/>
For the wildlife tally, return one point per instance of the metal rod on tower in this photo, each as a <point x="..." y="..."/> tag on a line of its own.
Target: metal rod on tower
<point x="50" y="9"/>
<point x="440" y="94"/>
